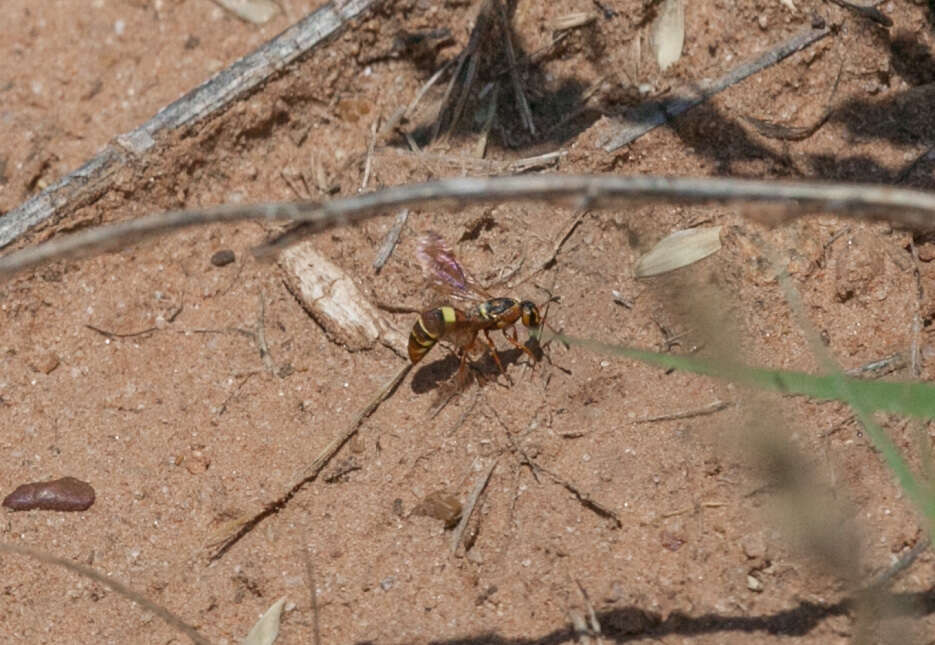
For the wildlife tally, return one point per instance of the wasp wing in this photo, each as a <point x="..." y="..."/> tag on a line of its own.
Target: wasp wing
<point x="443" y="271"/>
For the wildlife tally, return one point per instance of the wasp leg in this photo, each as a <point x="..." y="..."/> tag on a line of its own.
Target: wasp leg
<point x="493" y="352"/>
<point x="463" y="364"/>
<point x="515" y="342"/>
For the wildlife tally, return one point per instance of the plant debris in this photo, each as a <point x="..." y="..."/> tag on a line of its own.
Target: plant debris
<point x="679" y="250"/>
<point x="669" y="33"/>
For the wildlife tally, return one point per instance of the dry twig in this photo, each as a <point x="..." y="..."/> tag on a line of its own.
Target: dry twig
<point x="881" y="366"/>
<point x="915" y="347"/>
<point x="467" y="61"/>
<point x="469" y="507"/>
<point x="907" y="208"/>
<point x="568" y="229"/>
<point x="586" y="500"/>
<point x="98" y="175"/>
<point x="391" y="239"/>
<point x="583" y="497"/>
<point x="867" y="11"/>
<point x="313" y="593"/>
<point x="798" y="132"/>
<point x="885" y="577"/>
<point x="523" y="105"/>
<point x="174" y="621"/>
<point x="650" y="115"/>
<point x="143" y="332"/>
<point x="234" y="531"/>
<point x="593" y="627"/>
<point x="711" y="408"/>
<point x="477" y="165"/>
<point x="259" y="334"/>
<point x="368" y="163"/>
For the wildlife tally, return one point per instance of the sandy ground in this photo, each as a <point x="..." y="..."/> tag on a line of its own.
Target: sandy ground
<point x="183" y="428"/>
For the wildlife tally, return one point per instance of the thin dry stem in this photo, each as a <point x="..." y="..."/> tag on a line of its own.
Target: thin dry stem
<point x="711" y="408"/>
<point x="908" y="208"/>
<point x="654" y="113"/>
<point x="260" y="335"/>
<point x="125" y="591"/>
<point x="521" y="102"/>
<point x="313" y="593"/>
<point x="391" y="239"/>
<point x="469" y="507"/>
<point x="233" y="531"/>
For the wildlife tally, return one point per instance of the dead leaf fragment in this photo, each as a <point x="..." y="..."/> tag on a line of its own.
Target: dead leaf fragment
<point x="266" y="629"/>
<point x="255" y="11"/>
<point x="668" y="33"/>
<point x="678" y="250"/>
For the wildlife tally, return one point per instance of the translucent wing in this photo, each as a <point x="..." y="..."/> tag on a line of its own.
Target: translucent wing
<point x="445" y="273"/>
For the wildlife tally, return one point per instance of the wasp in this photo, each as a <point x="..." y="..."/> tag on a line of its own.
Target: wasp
<point x="481" y="313"/>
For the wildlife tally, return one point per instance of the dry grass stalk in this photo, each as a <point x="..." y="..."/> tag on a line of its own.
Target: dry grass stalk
<point x="654" y="113"/>
<point x="117" y="586"/>
<point x="911" y="209"/>
<point x="230" y="533"/>
<point x="469" y="506"/>
<point x="99" y="173"/>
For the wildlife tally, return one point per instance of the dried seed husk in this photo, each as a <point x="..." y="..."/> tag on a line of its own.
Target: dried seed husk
<point x="668" y="33"/>
<point x="678" y="250"/>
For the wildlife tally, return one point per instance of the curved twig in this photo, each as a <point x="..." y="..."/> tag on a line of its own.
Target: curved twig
<point x="908" y="208"/>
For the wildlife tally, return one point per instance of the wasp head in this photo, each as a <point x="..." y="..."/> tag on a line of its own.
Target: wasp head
<point x="530" y="314"/>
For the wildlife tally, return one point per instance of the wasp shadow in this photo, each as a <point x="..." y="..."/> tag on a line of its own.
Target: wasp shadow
<point x="436" y="373"/>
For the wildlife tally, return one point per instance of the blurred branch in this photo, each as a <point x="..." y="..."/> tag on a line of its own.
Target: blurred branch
<point x="908" y="208"/>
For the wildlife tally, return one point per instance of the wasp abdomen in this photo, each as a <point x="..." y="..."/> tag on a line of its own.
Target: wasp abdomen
<point x="428" y="329"/>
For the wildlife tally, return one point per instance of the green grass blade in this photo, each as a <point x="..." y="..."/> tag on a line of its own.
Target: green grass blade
<point x="908" y="398"/>
<point x="865" y="397"/>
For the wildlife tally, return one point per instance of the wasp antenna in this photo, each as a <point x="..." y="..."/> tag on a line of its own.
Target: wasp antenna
<point x="545" y="308"/>
<point x="556" y="333"/>
<point x="551" y="297"/>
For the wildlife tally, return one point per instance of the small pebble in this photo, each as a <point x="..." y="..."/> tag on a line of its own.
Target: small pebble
<point x="44" y="362"/>
<point x="753" y="584"/>
<point x="65" y="494"/>
<point x="222" y="257"/>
